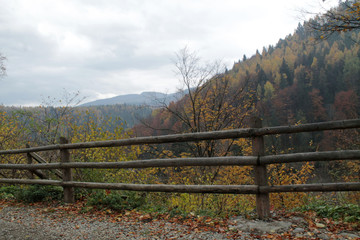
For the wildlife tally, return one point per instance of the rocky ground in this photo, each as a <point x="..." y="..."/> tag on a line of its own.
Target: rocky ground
<point x="40" y="221"/>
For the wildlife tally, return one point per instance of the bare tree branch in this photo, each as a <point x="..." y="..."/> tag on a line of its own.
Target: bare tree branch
<point x="344" y="18"/>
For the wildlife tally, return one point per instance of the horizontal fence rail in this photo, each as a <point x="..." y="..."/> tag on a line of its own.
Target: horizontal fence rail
<point x="258" y="160"/>
<point x="224" y="189"/>
<point x="229" y="189"/>
<point x="188" y="137"/>
<point x="201" y="161"/>
<point x="315" y="187"/>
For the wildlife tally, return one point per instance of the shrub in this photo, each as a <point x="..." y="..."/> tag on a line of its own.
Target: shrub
<point x="8" y="192"/>
<point x="116" y="200"/>
<point x="37" y="193"/>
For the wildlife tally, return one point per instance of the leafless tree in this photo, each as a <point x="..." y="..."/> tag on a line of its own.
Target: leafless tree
<point x="213" y="100"/>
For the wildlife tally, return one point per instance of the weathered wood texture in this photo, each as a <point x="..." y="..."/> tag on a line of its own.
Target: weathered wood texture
<point x="216" y="161"/>
<point x="40" y="160"/>
<point x="319" y="187"/>
<point x="311" y="156"/>
<point x="33" y="172"/>
<point x="175" y="162"/>
<point x="69" y="196"/>
<point x="234" y="189"/>
<point x="225" y="134"/>
<point x="29" y="161"/>
<point x="262" y="198"/>
<point x="224" y="189"/>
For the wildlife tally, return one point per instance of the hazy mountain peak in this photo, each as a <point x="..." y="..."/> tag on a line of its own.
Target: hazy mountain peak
<point x="145" y="98"/>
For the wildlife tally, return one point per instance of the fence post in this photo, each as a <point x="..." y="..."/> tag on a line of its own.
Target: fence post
<point x="29" y="161"/>
<point x="67" y="174"/>
<point x="262" y="199"/>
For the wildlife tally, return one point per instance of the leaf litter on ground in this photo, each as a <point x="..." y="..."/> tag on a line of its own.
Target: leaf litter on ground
<point x="314" y="225"/>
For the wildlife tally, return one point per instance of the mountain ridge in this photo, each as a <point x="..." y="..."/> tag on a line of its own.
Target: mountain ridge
<point x="150" y="98"/>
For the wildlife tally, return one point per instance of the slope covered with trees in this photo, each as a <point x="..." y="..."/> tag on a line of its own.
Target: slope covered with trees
<point x="297" y="81"/>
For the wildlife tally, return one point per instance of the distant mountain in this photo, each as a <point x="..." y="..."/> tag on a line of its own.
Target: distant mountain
<point x="144" y="98"/>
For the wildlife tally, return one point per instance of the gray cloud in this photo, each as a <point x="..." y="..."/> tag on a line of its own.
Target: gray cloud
<point x="107" y="48"/>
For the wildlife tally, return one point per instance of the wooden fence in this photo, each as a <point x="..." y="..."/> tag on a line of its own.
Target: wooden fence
<point x="258" y="160"/>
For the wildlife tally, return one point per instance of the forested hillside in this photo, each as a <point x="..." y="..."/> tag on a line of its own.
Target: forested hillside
<point x="296" y="81"/>
<point x="301" y="80"/>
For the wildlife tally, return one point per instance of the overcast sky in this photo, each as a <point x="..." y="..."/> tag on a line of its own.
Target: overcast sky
<point x="108" y="48"/>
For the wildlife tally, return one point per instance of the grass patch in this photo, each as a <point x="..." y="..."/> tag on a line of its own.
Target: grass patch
<point x="344" y="212"/>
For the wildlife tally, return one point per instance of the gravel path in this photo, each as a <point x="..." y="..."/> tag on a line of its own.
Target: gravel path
<point x="22" y="222"/>
<point x="32" y="223"/>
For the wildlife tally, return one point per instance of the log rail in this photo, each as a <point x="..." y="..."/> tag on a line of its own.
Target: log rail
<point x="258" y="160"/>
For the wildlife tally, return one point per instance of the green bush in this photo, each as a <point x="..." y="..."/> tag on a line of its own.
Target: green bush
<point x="9" y="189"/>
<point x="37" y="193"/>
<point x="116" y="200"/>
<point x="8" y="192"/>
